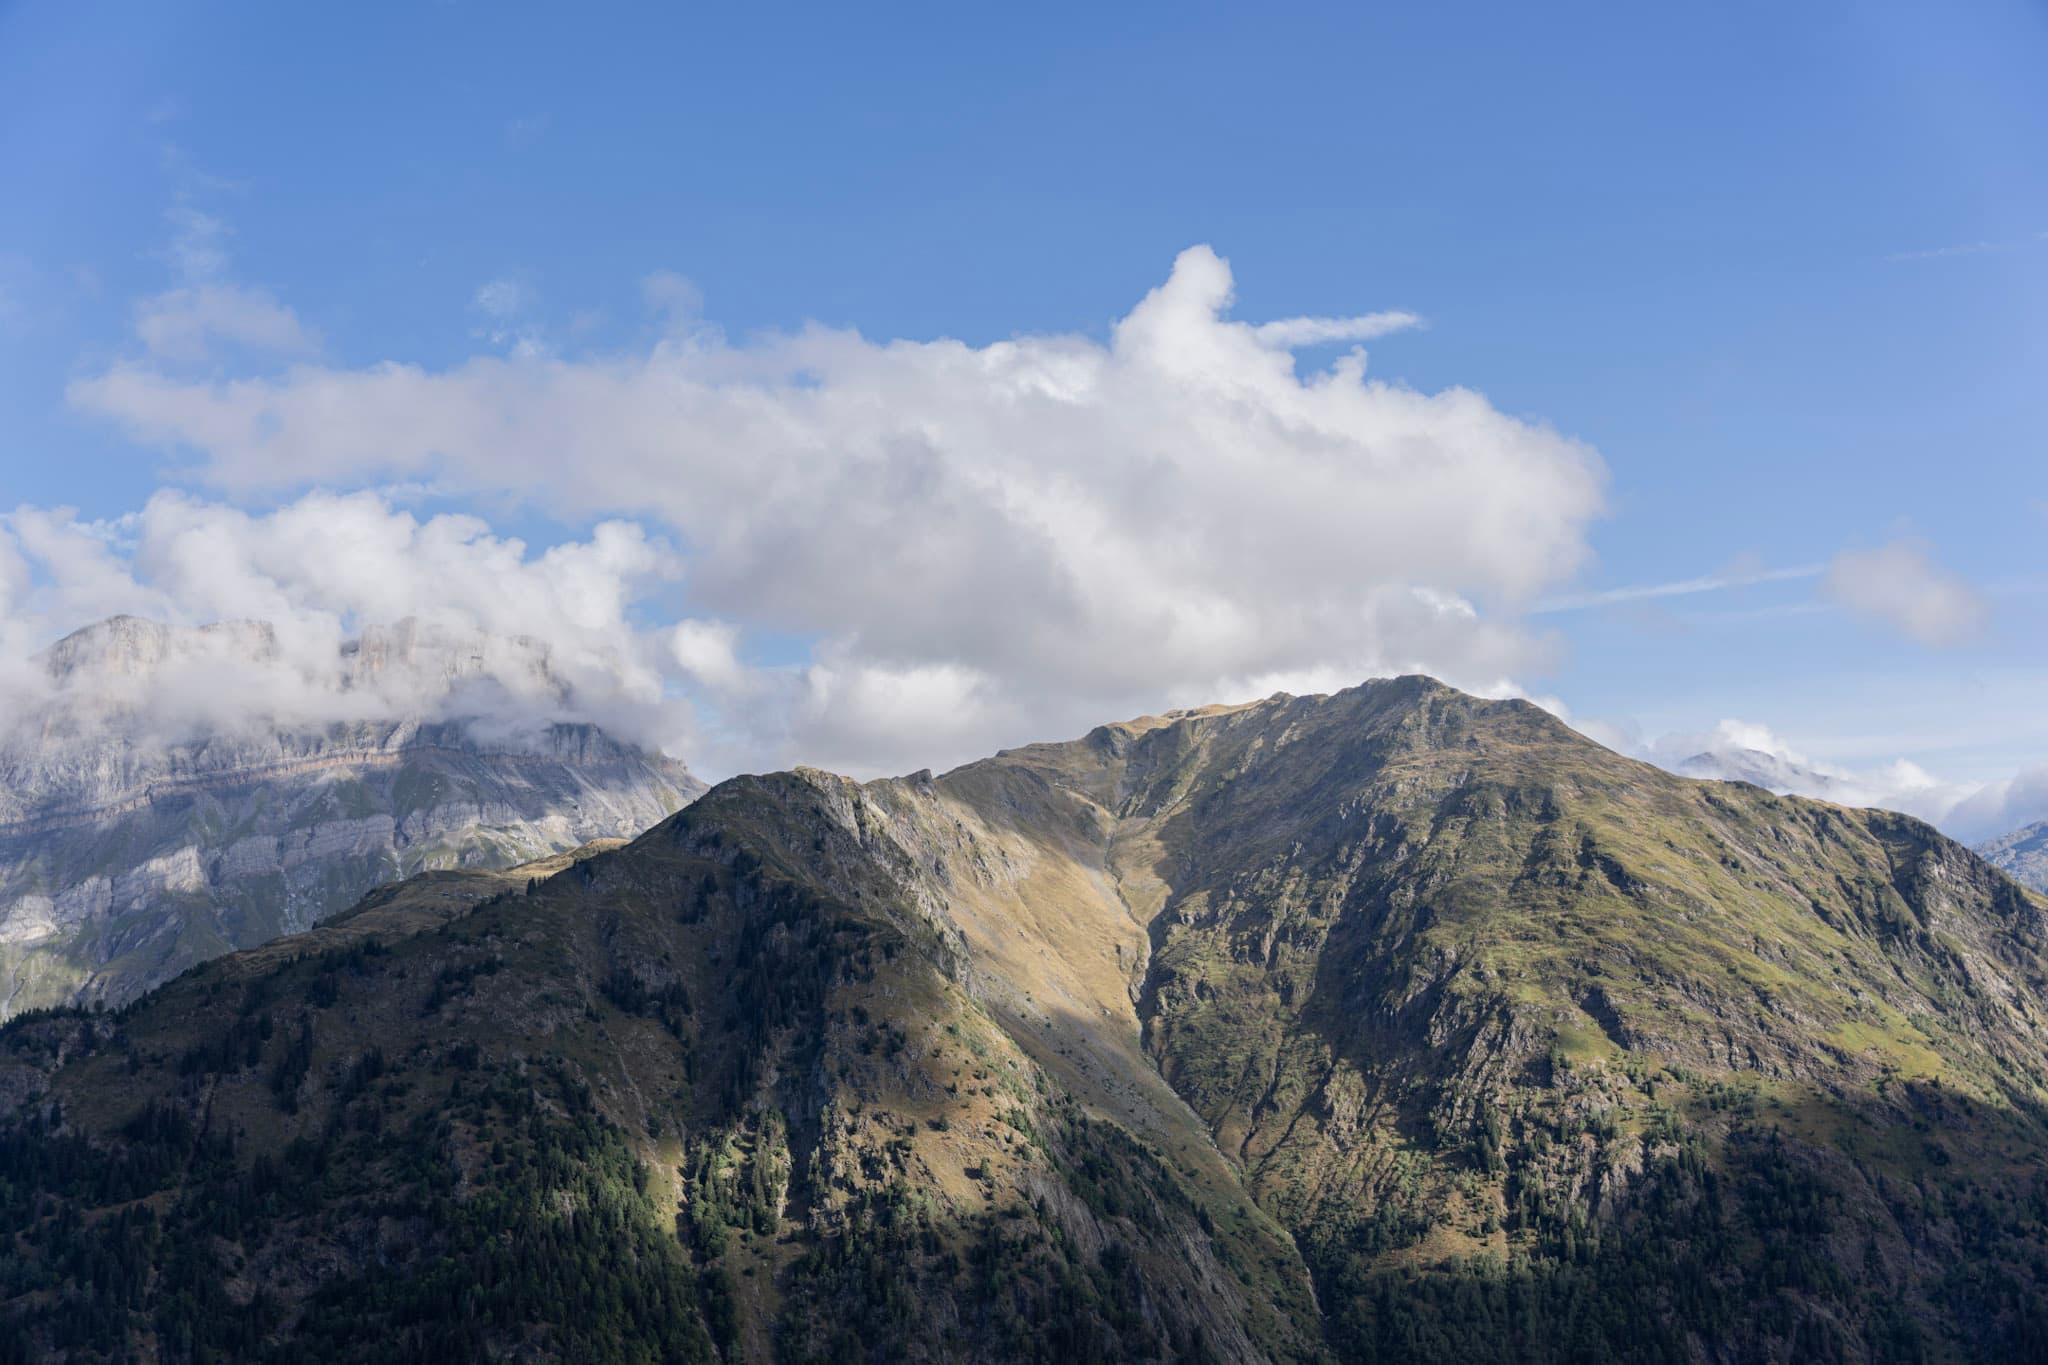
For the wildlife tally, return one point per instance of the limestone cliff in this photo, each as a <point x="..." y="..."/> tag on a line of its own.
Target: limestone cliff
<point x="141" y="832"/>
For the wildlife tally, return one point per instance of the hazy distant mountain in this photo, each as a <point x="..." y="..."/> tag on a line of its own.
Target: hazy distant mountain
<point x="2023" y="853"/>
<point x="1394" y="1025"/>
<point x="150" y="819"/>
<point x="1772" y="772"/>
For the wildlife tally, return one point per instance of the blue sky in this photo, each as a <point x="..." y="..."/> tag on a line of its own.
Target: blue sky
<point x="1783" y="267"/>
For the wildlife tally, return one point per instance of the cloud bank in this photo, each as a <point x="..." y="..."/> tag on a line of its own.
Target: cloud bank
<point x="461" y="623"/>
<point x="973" y="545"/>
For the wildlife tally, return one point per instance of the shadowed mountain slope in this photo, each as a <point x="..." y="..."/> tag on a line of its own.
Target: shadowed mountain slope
<point x="1389" y="1025"/>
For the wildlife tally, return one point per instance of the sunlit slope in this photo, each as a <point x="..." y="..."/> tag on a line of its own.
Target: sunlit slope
<point x="1455" y="985"/>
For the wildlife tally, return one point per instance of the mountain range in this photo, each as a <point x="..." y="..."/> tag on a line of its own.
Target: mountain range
<point x="1388" y="1025"/>
<point x="2023" y="853"/>
<point x="149" y="821"/>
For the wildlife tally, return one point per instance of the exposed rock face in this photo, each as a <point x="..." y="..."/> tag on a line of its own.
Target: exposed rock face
<point x="142" y="831"/>
<point x="2022" y="853"/>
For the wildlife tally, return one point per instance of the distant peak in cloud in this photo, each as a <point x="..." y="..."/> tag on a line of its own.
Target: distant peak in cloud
<point x="328" y="610"/>
<point x="1743" y="751"/>
<point x="168" y="684"/>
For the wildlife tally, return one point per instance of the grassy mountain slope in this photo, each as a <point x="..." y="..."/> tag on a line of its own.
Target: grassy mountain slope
<point x="1389" y="1025"/>
<point x="1530" y="1044"/>
<point x="719" y="1091"/>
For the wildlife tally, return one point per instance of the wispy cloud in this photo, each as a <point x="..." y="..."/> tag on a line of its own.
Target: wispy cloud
<point x="206" y="308"/>
<point x="1684" y="587"/>
<point x="504" y="304"/>
<point x="501" y="298"/>
<point x="198" y="248"/>
<point x="1936" y="253"/>
<point x="16" y="274"/>
<point x="185" y="324"/>
<point x="1901" y="586"/>
<point x="526" y="129"/>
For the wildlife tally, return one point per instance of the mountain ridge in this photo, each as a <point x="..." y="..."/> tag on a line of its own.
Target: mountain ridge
<point x="1394" y="1024"/>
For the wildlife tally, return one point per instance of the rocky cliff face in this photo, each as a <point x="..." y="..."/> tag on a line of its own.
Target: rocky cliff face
<point x="142" y="830"/>
<point x="2022" y="853"/>
<point x="1392" y="1025"/>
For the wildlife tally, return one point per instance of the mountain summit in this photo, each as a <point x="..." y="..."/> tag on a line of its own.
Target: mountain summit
<point x="171" y="793"/>
<point x="1388" y="1025"/>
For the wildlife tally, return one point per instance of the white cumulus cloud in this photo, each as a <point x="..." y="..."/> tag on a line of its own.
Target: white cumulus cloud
<point x="978" y="545"/>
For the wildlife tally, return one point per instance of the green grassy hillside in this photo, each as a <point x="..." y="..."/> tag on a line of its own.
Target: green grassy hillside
<point x="1543" y="1053"/>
